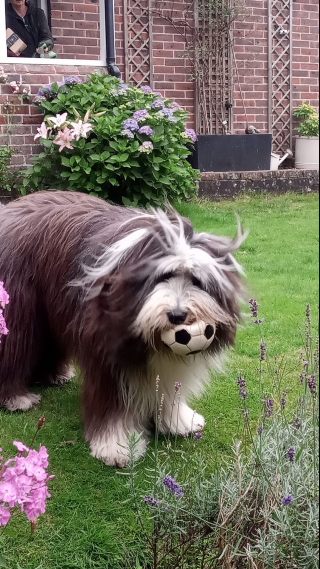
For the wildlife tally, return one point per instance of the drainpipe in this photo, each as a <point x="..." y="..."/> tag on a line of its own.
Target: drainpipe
<point x="110" y="37"/>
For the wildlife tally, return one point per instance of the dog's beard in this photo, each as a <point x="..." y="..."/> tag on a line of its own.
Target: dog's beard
<point x="177" y="292"/>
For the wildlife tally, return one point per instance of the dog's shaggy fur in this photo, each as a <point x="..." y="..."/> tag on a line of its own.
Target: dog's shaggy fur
<point x="95" y="284"/>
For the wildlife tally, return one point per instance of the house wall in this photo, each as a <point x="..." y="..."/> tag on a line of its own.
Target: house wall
<point x="171" y="72"/>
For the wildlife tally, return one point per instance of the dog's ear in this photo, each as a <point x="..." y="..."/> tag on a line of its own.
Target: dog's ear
<point x="218" y="246"/>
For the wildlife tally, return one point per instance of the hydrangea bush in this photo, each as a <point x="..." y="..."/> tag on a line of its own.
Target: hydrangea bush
<point x="115" y="141"/>
<point x="260" y="510"/>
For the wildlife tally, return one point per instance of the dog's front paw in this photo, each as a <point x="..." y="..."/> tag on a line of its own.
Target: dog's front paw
<point x="188" y="421"/>
<point x="63" y="377"/>
<point x="22" y="402"/>
<point x="112" y="448"/>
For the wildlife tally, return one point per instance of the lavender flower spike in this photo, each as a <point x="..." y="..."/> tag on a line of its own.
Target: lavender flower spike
<point x="173" y="487"/>
<point x="151" y="501"/>
<point x="287" y="500"/>
<point x="291" y="454"/>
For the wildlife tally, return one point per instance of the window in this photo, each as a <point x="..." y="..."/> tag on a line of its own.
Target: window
<point x="76" y="28"/>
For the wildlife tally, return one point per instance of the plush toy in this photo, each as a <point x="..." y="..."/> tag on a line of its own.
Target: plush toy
<point x="189" y="340"/>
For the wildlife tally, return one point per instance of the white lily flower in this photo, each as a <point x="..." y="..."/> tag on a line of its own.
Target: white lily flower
<point x="58" y="120"/>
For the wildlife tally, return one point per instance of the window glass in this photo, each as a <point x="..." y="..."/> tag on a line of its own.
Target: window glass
<point x="61" y="29"/>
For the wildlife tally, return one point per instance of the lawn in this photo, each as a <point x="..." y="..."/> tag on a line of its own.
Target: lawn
<point x="88" y="524"/>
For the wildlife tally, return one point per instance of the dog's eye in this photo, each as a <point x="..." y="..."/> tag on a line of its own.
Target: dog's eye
<point x="165" y="278"/>
<point x="197" y="283"/>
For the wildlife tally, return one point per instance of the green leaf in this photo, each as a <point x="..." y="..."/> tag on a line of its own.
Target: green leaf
<point x="65" y="174"/>
<point x="114" y="145"/>
<point x="114" y="182"/>
<point x="65" y="161"/>
<point x="75" y="176"/>
<point x="95" y="157"/>
<point x="2" y="561"/>
<point x="123" y="157"/>
<point x="46" y="143"/>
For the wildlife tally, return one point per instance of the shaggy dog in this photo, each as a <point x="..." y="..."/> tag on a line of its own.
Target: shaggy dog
<point x="98" y="285"/>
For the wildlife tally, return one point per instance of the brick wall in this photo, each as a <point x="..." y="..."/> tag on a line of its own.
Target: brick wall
<point x="76" y="29"/>
<point x="170" y="71"/>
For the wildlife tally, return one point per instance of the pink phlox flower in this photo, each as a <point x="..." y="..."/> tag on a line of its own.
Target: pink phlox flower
<point x="81" y="129"/>
<point x="42" y="131"/>
<point x="64" y="139"/>
<point x="3" y="327"/>
<point x="58" y="120"/>
<point x="43" y="456"/>
<point x="8" y="493"/>
<point x="4" y="297"/>
<point x="20" y="446"/>
<point x="4" y="516"/>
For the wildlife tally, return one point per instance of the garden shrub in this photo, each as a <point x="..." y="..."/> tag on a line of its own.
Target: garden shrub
<point x="111" y="140"/>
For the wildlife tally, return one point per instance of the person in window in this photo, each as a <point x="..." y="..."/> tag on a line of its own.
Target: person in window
<point x="31" y="26"/>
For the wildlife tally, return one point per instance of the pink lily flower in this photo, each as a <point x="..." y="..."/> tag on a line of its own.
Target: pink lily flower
<point x="64" y="139"/>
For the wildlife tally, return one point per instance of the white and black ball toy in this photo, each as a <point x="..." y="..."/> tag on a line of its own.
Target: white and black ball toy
<point x="189" y="340"/>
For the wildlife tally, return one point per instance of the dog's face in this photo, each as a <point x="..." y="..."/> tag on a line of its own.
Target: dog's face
<point x="161" y="274"/>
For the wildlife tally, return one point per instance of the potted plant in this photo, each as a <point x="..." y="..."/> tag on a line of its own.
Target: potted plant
<point x="307" y="144"/>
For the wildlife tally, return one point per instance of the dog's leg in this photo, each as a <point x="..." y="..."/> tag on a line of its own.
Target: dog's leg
<point x="63" y="376"/>
<point x="179" y="419"/>
<point x="111" y="445"/>
<point x="20" y="351"/>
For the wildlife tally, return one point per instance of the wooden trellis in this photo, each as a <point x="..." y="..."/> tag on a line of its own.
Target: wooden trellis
<point x="138" y="42"/>
<point x="214" y="84"/>
<point x="280" y="73"/>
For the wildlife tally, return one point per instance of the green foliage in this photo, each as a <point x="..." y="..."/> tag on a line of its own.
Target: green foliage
<point x="108" y="164"/>
<point x="309" y="120"/>
<point x="9" y="179"/>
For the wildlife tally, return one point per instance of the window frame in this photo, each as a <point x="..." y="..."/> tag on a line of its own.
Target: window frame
<point x="102" y="62"/>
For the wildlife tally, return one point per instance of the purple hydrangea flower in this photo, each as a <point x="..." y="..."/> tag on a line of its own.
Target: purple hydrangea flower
<point x="151" y="501"/>
<point x="146" y="147"/>
<point x="141" y="115"/>
<point x="287" y="500"/>
<point x="260" y="431"/>
<point x="146" y="130"/>
<point x="72" y="80"/>
<point x="128" y="133"/>
<point x="158" y="104"/>
<point x="173" y="487"/>
<point x="191" y="134"/>
<point x="123" y="87"/>
<point x="242" y="384"/>
<point x="291" y="454"/>
<point x="146" y="89"/>
<point x="130" y="124"/>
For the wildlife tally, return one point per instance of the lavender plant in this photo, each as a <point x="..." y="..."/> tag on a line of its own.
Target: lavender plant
<point x="259" y="511"/>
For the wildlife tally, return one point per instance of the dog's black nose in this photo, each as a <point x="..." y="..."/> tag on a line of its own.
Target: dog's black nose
<point x="177" y="316"/>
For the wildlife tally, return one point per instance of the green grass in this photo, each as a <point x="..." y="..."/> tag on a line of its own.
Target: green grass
<point x="87" y="524"/>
